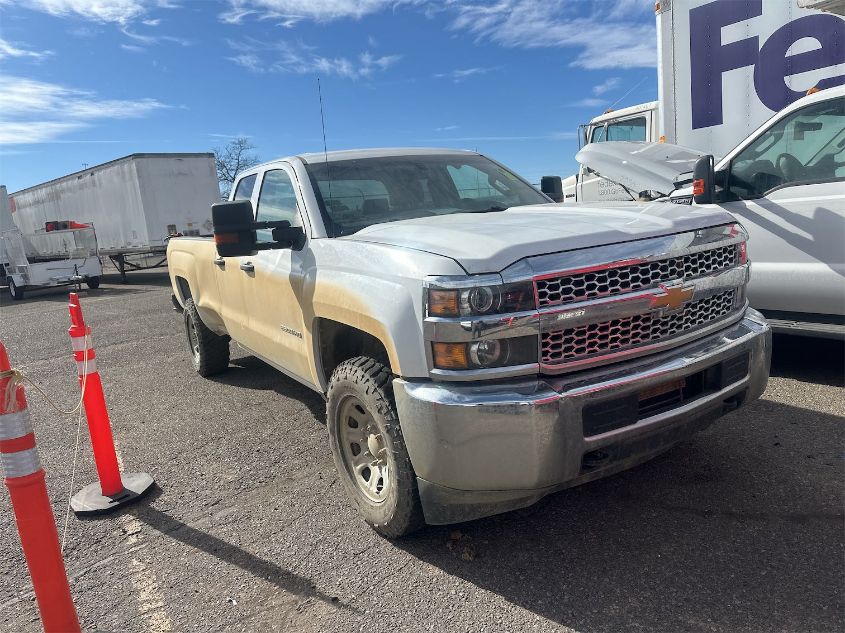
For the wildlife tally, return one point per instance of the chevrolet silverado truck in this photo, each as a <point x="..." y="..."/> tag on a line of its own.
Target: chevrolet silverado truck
<point x="478" y="347"/>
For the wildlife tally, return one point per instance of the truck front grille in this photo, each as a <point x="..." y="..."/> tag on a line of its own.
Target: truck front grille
<point x="557" y="290"/>
<point x="597" y="339"/>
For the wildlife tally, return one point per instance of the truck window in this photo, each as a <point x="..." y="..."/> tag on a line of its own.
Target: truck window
<point x="804" y="147"/>
<point x="472" y="183"/>
<point x="627" y="130"/>
<point x="354" y="194"/>
<point x="245" y="187"/>
<point x="276" y="201"/>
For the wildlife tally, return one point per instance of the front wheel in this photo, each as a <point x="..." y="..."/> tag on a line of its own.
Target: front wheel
<point x="368" y="448"/>
<point x="209" y="351"/>
<point x="15" y="290"/>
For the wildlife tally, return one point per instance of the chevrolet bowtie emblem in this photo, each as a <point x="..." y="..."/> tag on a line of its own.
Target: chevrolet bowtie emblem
<point x="672" y="297"/>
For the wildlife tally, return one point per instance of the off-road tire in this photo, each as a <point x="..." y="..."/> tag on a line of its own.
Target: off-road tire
<point x="92" y="282"/>
<point x="210" y="351"/>
<point x="15" y="291"/>
<point x="370" y="383"/>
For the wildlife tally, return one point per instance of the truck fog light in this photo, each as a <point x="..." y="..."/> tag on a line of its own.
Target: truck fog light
<point x="478" y="300"/>
<point x="487" y="353"/>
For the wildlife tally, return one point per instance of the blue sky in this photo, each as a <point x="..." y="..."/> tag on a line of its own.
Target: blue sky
<point x="86" y="81"/>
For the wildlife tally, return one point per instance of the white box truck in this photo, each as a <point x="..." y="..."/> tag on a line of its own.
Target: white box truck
<point x="724" y="67"/>
<point x="135" y="204"/>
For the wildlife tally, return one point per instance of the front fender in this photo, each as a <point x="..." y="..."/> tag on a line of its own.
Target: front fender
<point x="386" y="309"/>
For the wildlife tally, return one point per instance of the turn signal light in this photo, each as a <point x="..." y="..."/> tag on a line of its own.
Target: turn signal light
<point x="450" y="355"/>
<point x="443" y="303"/>
<point x="225" y="238"/>
<point x="698" y="187"/>
<point x="743" y="253"/>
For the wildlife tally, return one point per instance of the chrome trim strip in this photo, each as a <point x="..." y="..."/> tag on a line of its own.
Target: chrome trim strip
<point x="457" y="330"/>
<point x="462" y="375"/>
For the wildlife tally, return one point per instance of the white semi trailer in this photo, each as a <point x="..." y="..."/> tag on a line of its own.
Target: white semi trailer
<point x="135" y="204"/>
<point x="723" y="68"/>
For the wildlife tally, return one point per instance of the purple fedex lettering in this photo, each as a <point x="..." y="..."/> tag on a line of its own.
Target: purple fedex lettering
<point x="710" y="58"/>
<point x="774" y="65"/>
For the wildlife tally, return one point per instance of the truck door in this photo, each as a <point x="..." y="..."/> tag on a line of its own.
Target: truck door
<point x="230" y="277"/>
<point x="787" y="187"/>
<point x="272" y="281"/>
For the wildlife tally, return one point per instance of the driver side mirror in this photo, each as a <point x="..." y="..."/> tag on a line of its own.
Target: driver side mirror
<point x="552" y="186"/>
<point x="234" y="233"/>
<point x="703" y="180"/>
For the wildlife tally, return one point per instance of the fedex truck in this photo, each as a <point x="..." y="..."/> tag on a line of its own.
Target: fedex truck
<point x="724" y="67"/>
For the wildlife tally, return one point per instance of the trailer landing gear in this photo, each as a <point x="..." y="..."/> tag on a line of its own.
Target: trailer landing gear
<point x="122" y="263"/>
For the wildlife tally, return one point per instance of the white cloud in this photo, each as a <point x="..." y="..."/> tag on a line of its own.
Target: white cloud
<point x="459" y="74"/>
<point x="133" y="49"/>
<point x="317" y="10"/>
<point x="116" y="11"/>
<point x="7" y="49"/>
<point x="589" y="102"/>
<point x="37" y="112"/>
<point x="607" y="85"/>
<point x="446" y="128"/>
<point x="262" y="57"/>
<point x="622" y="36"/>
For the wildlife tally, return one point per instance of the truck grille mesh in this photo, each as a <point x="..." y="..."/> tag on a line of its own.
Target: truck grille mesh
<point x="600" y="283"/>
<point x="619" y="334"/>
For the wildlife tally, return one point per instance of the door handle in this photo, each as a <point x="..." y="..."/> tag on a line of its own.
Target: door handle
<point x="219" y="261"/>
<point x="247" y="267"/>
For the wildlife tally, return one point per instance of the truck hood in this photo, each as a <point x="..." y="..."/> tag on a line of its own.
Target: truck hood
<point x="639" y="166"/>
<point x="489" y="243"/>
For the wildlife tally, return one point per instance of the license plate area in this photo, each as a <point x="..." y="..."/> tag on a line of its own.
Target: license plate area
<point x="615" y="413"/>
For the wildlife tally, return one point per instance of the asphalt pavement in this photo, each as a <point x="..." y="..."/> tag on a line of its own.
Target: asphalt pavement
<point x="738" y="529"/>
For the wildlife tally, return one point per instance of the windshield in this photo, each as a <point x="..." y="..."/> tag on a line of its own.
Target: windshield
<point x="354" y="194"/>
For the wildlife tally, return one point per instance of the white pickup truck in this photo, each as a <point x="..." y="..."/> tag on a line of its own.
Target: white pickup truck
<point x="478" y="347"/>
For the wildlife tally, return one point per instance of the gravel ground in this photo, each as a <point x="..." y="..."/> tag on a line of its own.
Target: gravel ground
<point x="739" y="529"/>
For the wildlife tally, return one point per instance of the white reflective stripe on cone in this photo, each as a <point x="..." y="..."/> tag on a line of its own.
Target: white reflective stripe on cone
<point x="79" y="343"/>
<point x="89" y="369"/>
<point x="21" y="463"/>
<point x="15" y="424"/>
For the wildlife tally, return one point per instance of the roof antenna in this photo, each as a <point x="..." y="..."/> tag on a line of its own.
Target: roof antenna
<point x="325" y="148"/>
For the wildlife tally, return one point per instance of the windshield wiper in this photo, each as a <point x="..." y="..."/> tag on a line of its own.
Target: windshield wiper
<point x="488" y="210"/>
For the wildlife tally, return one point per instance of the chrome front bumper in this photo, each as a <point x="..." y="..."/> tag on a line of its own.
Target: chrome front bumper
<point x="480" y="449"/>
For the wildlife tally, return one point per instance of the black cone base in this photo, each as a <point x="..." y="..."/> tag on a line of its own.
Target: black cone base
<point x="91" y="501"/>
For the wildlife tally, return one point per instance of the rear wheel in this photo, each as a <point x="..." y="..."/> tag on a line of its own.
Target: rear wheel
<point x="209" y="351"/>
<point x="15" y="291"/>
<point x="92" y="282"/>
<point x="368" y="448"/>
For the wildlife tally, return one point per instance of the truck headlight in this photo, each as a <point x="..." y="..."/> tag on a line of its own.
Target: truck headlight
<point x="481" y="300"/>
<point x="485" y="353"/>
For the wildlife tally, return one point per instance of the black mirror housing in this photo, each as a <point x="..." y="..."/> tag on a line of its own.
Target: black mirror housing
<point x="552" y="186"/>
<point x="234" y="234"/>
<point x="703" y="180"/>
<point x="287" y="236"/>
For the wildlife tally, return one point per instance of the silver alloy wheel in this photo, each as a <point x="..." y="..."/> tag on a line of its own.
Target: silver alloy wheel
<point x="363" y="449"/>
<point x="193" y="338"/>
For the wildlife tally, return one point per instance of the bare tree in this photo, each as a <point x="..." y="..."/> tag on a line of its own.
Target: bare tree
<point x="232" y="160"/>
